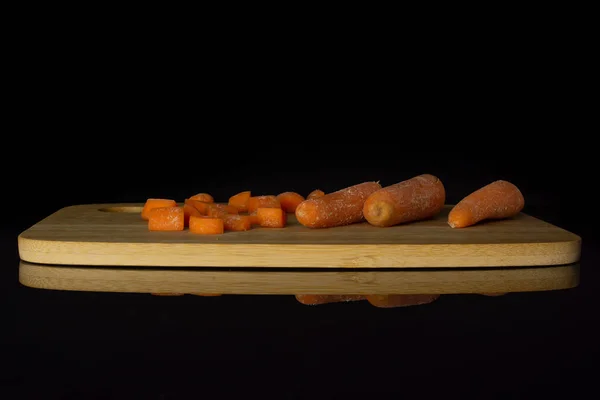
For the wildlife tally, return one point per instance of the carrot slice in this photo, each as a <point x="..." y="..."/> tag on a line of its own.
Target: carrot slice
<point x="205" y="197"/>
<point x="262" y="201"/>
<point x="206" y="225"/>
<point x="156" y="203"/>
<point x="217" y="210"/>
<point x="271" y="217"/>
<point x="187" y="211"/>
<point x="314" y="299"/>
<point x="236" y="222"/>
<point x="414" y="199"/>
<point x="240" y="200"/>
<point x="254" y="219"/>
<point x="342" y="207"/>
<point x="400" y="300"/>
<point x="290" y="200"/>
<point x="166" y="219"/>
<point x="201" y="206"/>
<point x="315" y="194"/>
<point x="497" y="200"/>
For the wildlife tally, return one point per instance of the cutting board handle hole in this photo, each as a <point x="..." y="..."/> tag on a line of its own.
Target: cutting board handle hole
<point x="123" y="209"/>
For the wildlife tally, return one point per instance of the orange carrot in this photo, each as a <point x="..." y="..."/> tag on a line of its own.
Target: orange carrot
<point x="414" y="199"/>
<point x="187" y="211"/>
<point x="315" y="194"/>
<point x="201" y="206"/>
<point x="156" y="203"/>
<point x="497" y="200"/>
<point x="206" y="225"/>
<point x="401" y="300"/>
<point x="314" y="299"/>
<point x="342" y="207"/>
<point x="254" y="218"/>
<point x="166" y="219"/>
<point x="218" y="210"/>
<point x="290" y="200"/>
<point x="262" y="201"/>
<point x="205" y="197"/>
<point x="240" y="200"/>
<point x="271" y="217"/>
<point x="236" y="222"/>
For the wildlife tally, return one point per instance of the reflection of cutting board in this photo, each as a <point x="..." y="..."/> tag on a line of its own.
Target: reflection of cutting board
<point x="115" y="235"/>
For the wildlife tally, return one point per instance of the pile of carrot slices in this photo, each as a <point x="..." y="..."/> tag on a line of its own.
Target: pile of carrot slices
<point x="418" y="198"/>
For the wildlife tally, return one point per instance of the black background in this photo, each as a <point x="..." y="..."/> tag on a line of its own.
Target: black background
<point x="97" y="141"/>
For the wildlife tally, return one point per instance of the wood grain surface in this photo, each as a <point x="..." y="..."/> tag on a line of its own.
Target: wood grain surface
<point x="165" y="280"/>
<point x="115" y="235"/>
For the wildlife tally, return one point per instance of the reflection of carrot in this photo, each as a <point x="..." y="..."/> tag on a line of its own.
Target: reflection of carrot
<point x="315" y="194"/>
<point x="240" y="200"/>
<point x="342" y="207"/>
<point x="206" y="225"/>
<point x="205" y="197"/>
<point x="262" y="201"/>
<point x="414" y="199"/>
<point x="497" y="200"/>
<point x="220" y="210"/>
<point x="290" y="200"/>
<point x="156" y="203"/>
<point x="400" y="300"/>
<point x="271" y="217"/>
<point x="314" y="299"/>
<point x="166" y="219"/>
<point x="236" y="222"/>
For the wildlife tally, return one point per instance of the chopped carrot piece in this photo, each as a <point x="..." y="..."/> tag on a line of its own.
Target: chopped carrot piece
<point x="201" y="206"/>
<point x="205" y="197"/>
<point x="206" y="225"/>
<point x="236" y="222"/>
<point x="271" y="217"/>
<point x="166" y="219"/>
<point x="220" y="210"/>
<point x="314" y="299"/>
<point x="414" y="199"/>
<point x="401" y="300"/>
<point x="497" y="200"/>
<point x="342" y="207"/>
<point x="156" y="203"/>
<point x="240" y="200"/>
<point x="262" y="201"/>
<point x="315" y="194"/>
<point x="187" y="211"/>
<point x="254" y="219"/>
<point x="289" y="201"/>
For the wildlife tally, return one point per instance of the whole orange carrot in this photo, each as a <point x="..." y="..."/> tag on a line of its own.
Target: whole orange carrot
<point x="497" y="200"/>
<point x="414" y="199"/>
<point x="342" y="207"/>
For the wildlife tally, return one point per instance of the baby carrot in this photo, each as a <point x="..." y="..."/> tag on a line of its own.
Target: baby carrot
<point x="166" y="219"/>
<point x="220" y="210"/>
<point x="236" y="222"/>
<point x="271" y="217"/>
<point x="315" y="194"/>
<point x="156" y="203"/>
<point x="414" y="199"/>
<point x="401" y="300"/>
<point x="262" y="201"/>
<point x="206" y="225"/>
<point x="240" y="200"/>
<point x="314" y="299"/>
<point x="290" y="200"/>
<point x="205" y="197"/>
<point x="497" y="200"/>
<point x="342" y="207"/>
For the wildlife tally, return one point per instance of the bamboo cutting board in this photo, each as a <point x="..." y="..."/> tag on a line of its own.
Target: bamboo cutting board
<point x="115" y="235"/>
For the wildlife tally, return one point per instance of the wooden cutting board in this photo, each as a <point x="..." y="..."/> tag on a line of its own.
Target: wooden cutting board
<point x="115" y="235"/>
